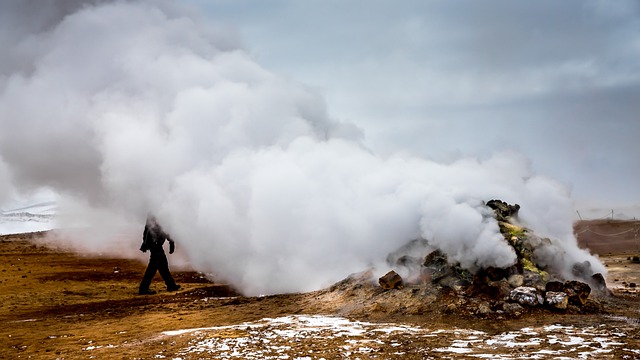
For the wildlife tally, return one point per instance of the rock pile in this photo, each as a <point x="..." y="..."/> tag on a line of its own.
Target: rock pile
<point x="503" y="290"/>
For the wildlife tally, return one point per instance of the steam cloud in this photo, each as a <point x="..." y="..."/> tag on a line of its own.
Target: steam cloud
<point x="137" y="106"/>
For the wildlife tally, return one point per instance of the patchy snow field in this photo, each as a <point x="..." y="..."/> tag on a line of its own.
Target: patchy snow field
<point x="326" y="337"/>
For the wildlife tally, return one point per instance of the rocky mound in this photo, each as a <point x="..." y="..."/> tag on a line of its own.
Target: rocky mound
<point x="435" y="284"/>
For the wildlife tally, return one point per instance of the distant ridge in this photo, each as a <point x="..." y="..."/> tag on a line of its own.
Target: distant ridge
<point x="31" y="218"/>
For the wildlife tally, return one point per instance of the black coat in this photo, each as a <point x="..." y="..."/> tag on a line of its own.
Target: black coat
<point x="154" y="237"/>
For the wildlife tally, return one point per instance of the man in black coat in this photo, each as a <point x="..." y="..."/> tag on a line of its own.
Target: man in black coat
<point x="152" y="240"/>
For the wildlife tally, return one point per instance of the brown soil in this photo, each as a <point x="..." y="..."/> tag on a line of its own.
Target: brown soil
<point x="61" y="305"/>
<point x="607" y="237"/>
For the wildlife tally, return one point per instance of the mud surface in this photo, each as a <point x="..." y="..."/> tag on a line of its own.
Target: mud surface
<point x="61" y="305"/>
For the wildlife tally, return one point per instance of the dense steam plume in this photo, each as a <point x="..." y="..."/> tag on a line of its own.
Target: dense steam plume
<point x="127" y="107"/>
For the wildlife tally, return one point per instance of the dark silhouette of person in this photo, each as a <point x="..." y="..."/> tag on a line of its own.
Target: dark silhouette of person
<point x="153" y="239"/>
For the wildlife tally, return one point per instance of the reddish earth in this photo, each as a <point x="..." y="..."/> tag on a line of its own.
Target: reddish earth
<point x="62" y="305"/>
<point x="605" y="237"/>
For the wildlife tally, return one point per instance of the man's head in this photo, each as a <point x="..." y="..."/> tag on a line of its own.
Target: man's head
<point x="151" y="219"/>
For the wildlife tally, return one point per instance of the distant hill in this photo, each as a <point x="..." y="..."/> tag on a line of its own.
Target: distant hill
<point x="23" y="219"/>
<point x="608" y="236"/>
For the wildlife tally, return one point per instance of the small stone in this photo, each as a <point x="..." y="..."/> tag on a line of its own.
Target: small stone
<point x="557" y="300"/>
<point x="516" y="280"/>
<point x="632" y="285"/>
<point x="484" y="309"/>
<point x="512" y="309"/>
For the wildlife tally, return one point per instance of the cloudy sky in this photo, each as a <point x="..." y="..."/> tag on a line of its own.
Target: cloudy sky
<point x="558" y="81"/>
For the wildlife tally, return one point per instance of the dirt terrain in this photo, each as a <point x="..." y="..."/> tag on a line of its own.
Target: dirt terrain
<point x="606" y="237"/>
<point x="57" y="304"/>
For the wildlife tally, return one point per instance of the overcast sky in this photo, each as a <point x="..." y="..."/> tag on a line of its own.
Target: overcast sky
<point x="558" y="81"/>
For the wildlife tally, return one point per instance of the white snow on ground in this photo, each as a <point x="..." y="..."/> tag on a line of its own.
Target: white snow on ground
<point x="336" y="337"/>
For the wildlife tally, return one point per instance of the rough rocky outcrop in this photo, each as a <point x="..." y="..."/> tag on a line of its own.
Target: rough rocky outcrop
<point x="493" y="290"/>
<point x="391" y="280"/>
<point x="502" y="210"/>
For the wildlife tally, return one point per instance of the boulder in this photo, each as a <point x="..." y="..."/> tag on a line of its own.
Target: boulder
<point x="391" y="280"/>
<point x="502" y="210"/>
<point x="599" y="283"/>
<point x="499" y="289"/>
<point x="437" y="266"/>
<point x="577" y="291"/>
<point x="516" y="280"/>
<point x="436" y="258"/>
<point x="526" y="295"/>
<point x="536" y="280"/>
<point x="556" y="300"/>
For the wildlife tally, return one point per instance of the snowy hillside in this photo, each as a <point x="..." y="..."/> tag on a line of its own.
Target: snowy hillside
<point x="29" y="218"/>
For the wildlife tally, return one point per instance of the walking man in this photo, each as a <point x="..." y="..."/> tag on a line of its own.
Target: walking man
<point x="152" y="239"/>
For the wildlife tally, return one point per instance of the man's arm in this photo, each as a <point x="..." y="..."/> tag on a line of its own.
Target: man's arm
<point x="172" y="244"/>
<point x="145" y="240"/>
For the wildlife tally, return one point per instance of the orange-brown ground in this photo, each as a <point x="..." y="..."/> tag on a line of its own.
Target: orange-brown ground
<point x="62" y="305"/>
<point x="607" y="237"/>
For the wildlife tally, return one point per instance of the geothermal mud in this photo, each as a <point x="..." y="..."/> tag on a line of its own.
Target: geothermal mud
<point x="62" y="305"/>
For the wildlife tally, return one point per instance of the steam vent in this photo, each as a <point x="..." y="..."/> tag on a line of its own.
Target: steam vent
<point x="418" y="285"/>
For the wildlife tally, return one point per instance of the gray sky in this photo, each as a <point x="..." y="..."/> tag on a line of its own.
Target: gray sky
<point x="558" y="81"/>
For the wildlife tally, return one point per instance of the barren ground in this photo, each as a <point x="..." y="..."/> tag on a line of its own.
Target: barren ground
<point x="61" y="305"/>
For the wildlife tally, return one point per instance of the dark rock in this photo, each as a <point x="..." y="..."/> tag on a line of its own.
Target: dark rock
<point x="391" y="280"/>
<point x="502" y="210"/>
<point x="555" y="286"/>
<point x="632" y="285"/>
<point x="635" y="260"/>
<point x="577" y="291"/>
<point x="436" y="258"/>
<point x="498" y="289"/>
<point x="598" y="282"/>
<point x="437" y="266"/>
<point x="494" y="273"/>
<point x="515" y="269"/>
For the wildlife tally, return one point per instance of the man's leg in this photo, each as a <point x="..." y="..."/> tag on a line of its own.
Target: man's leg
<point x="152" y="268"/>
<point x="163" y="268"/>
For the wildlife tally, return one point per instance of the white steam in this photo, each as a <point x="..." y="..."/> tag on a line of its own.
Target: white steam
<point x="130" y="107"/>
